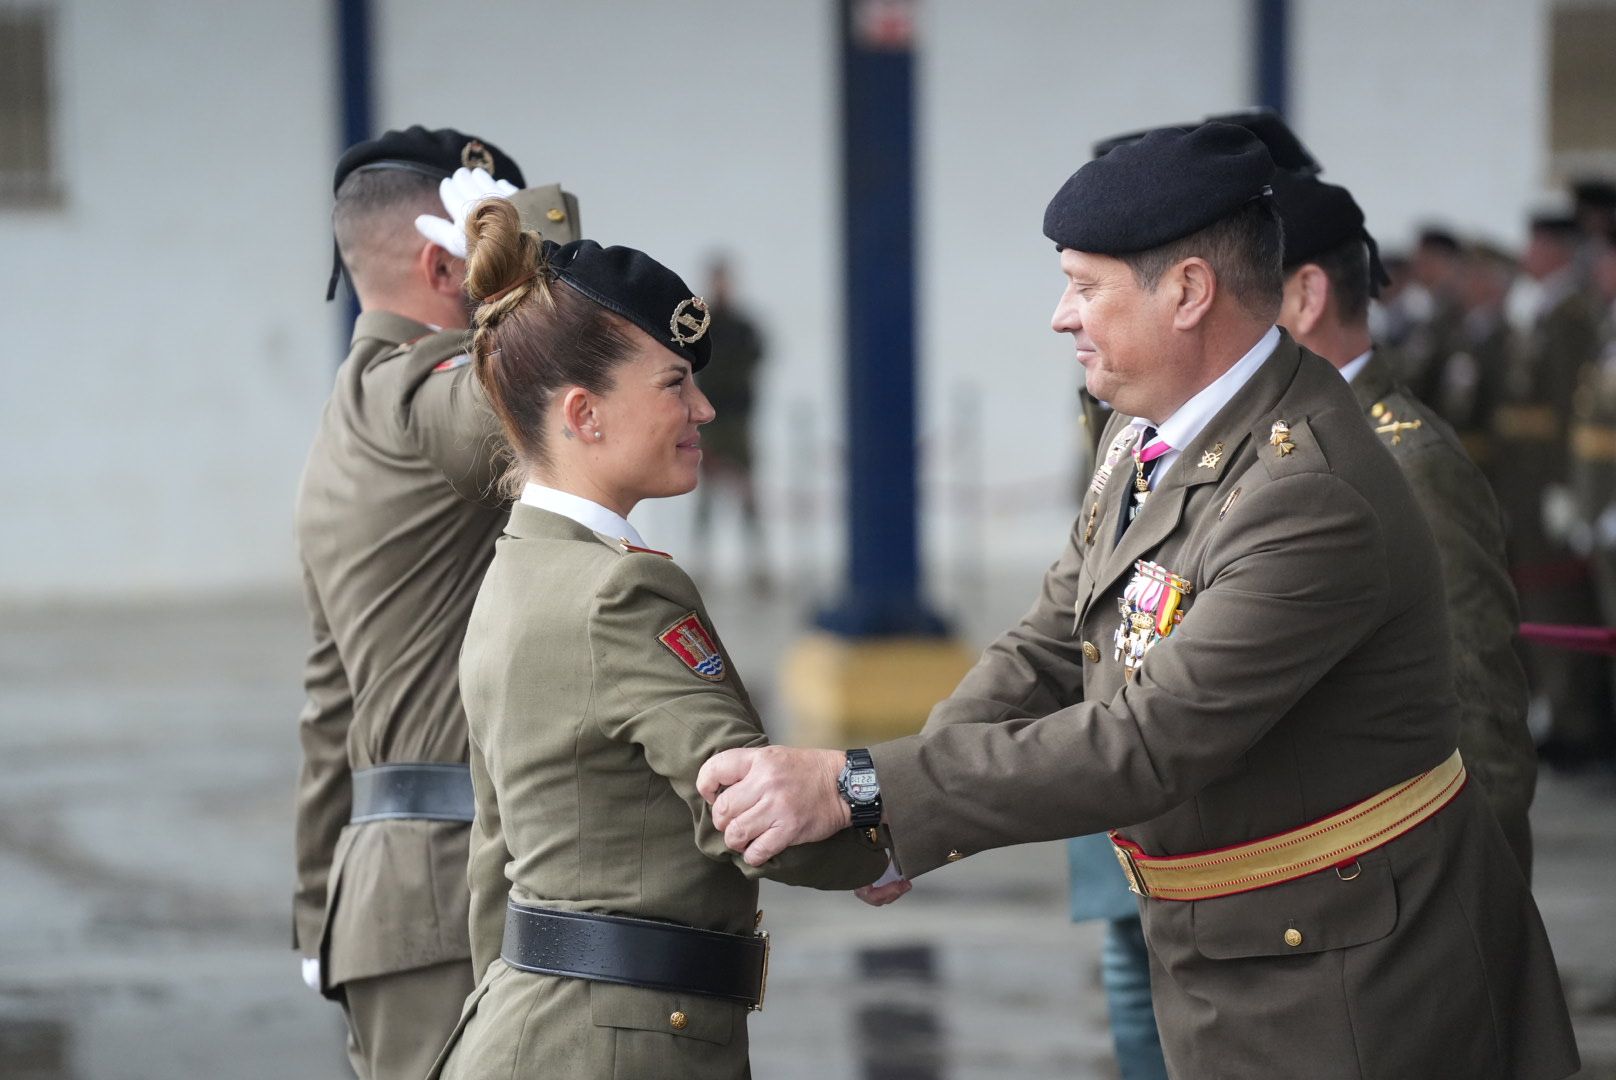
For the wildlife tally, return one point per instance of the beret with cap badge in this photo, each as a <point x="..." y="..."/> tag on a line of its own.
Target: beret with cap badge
<point x="638" y="288"/>
<point x="1164" y="186"/>
<point x="431" y="153"/>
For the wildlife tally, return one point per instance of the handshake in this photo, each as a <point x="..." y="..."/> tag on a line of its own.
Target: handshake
<point x="769" y="798"/>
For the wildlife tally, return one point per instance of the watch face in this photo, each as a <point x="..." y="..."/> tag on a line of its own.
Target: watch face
<point x="861" y="786"/>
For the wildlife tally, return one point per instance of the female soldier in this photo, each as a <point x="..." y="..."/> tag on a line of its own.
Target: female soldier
<point x="595" y="688"/>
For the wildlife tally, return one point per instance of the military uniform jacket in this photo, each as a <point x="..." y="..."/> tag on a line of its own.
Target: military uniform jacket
<point x="396" y="522"/>
<point x="1483" y="615"/>
<point x="1311" y="669"/>
<point x="595" y="688"/>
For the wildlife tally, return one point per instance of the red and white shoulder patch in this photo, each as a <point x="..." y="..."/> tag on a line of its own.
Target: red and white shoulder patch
<point x="691" y="643"/>
<point x="453" y="362"/>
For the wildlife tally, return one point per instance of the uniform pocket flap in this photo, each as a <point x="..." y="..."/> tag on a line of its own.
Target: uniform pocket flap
<point x="689" y="1016"/>
<point x="1322" y="911"/>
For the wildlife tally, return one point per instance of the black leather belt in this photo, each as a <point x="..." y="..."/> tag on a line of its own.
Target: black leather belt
<point x="426" y="790"/>
<point x="637" y="952"/>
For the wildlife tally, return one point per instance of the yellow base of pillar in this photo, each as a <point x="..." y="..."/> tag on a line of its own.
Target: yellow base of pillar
<point x="844" y="692"/>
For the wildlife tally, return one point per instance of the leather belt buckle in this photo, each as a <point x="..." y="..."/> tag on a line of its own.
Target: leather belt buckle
<point x="1130" y="869"/>
<point x="763" y="985"/>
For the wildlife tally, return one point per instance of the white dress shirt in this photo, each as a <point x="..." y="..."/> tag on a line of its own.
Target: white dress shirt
<point x="1182" y="428"/>
<point x="591" y="515"/>
<point x="1356" y="365"/>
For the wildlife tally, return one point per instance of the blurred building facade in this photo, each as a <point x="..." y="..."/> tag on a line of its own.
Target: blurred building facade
<point x="168" y="351"/>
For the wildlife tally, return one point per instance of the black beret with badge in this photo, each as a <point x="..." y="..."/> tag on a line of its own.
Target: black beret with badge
<point x="638" y="288"/>
<point x="436" y="154"/>
<point x="1167" y="184"/>
<point x="1319" y="217"/>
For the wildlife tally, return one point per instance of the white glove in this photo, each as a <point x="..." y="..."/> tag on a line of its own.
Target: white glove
<point x="460" y="192"/>
<point x="311" y="973"/>
<point x="1562" y="520"/>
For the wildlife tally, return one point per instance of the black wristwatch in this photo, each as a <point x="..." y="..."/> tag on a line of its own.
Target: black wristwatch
<point x="861" y="789"/>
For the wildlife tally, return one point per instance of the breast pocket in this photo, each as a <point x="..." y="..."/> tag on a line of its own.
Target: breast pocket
<point x="1328" y="910"/>
<point x="658" y="1033"/>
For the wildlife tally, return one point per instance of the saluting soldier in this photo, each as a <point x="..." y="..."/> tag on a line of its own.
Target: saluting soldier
<point x="1331" y="268"/>
<point x="1240" y="661"/>
<point x="396" y="519"/>
<point x="614" y="934"/>
<point x="1531" y="472"/>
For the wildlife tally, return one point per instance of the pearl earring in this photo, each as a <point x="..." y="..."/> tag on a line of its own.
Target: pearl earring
<point x="599" y="435"/>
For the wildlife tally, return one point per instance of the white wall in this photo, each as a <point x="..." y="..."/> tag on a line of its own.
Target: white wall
<point x="169" y="351"/>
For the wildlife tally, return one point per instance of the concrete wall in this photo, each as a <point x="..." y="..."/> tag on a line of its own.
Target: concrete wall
<point x="169" y="351"/>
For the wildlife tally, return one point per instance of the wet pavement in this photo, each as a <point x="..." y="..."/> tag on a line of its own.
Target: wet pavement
<point x="147" y="756"/>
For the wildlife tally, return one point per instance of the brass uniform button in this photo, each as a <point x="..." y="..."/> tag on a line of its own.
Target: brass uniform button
<point x="1293" y="937"/>
<point x="1090" y="652"/>
<point x="679" y="1021"/>
<point x="955" y="856"/>
<point x="557" y="215"/>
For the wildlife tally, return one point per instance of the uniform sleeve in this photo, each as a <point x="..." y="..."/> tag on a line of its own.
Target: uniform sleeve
<point x="325" y="784"/>
<point x="453" y="426"/>
<point x="1483" y="618"/>
<point x="485" y="870"/>
<point x="1034" y="668"/>
<point x="680" y="719"/>
<point x="1289" y="593"/>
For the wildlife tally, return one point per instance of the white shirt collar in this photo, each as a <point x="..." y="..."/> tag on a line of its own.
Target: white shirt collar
<point x="1356" y="365"/>
<point x="1191" y="418"/>
<point x="591" y="515"/>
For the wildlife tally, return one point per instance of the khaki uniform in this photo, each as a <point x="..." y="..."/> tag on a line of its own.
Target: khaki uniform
<point x="1593" y="476"/>
<point x="396" y="521"/>
<point x="1531" y="452"/>
<point x="1466" y="387"/>
<point x="1310" y="671"/>
<point x="587" y="731"/>
<point x="1482" y="615"/>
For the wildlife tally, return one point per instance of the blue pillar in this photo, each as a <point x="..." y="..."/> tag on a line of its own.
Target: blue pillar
<point x="1272" y="54"/>
<point x="882" y="596"/>
<point x="353" y="18"/>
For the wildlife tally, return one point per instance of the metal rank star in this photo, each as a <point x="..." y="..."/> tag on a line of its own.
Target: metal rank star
<point x="1210" y="459"/>
<point x="1279" y="437"/>
<point x="1388" y="424"/>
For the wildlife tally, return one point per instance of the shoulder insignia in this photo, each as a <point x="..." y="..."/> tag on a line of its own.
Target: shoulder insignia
<point x="453" y="362"/>
<point x="691" y="643"/>
<point x="1291" y="448"/>
<point x="1279" y="437"/>
<point x="635" y="549"/>
<point x="1388" y="425"/>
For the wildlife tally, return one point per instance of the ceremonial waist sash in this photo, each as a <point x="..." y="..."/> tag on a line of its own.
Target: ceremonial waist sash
<point x="1527" y="423"/>
<point x="1332" y="841"/>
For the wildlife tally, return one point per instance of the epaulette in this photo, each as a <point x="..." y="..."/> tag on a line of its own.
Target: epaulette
<point x="635" y="549"/>
<point x="1395" y="423"/>
<point x="1288" y="448"/>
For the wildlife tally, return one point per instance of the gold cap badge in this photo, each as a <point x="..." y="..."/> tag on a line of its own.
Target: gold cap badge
<point x="686" y="328"/>
<point x="474" y="155"/>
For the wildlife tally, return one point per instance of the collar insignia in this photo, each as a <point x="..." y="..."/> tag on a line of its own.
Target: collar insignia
<point x="1210" y="459"/>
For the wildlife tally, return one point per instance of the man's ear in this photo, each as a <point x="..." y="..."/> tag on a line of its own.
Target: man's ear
<point x="1195" y="288"/>
<point x="440" y="271"/>
<point x="1312" y="293"/>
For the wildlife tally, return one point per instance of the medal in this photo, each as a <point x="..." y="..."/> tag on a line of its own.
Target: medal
<point x="1150" y="609"/>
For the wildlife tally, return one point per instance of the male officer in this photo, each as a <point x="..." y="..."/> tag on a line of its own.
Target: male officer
<point x="1531" y="473"/>
<point x="396" y="519"/>
<point x="1250" y="677"/>
<point x="1330" y="271"/>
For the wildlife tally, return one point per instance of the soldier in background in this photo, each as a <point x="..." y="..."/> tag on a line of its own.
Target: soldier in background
<point x="1530" y="473"/>
<point x="1593" y="461"/>
<point x="730" y="383"/>
<point x="1434" y="267"/>
<point x="1465" y="386"/>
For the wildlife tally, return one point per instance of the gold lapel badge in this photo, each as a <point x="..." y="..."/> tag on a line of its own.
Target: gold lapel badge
<point x="1279" y="436"/>
<point x="474" y="155"/>
<point x="1094" y="518"/>
<point x="1210" y="459"/>
<point x="686" y="328"/>
<point x="1386" y="423"/>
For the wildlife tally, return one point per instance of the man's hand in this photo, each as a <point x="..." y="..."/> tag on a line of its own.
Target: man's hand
<point x="882" y="895"/>
<point x="460" y="192"/>
<point x="769" y="798"/>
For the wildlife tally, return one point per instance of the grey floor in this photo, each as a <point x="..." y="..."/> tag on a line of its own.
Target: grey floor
<point x="147" y="755"/>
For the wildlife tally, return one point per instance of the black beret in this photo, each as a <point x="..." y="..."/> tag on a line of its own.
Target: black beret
<point x="432" y="153"/>
<point x="1319" y="217"/>
<point x="1166" y="185"/>
<point x="1111" y="142"/>
<point x="1283" y="145"/>
<point x="641" y="290"/>
<point x="1594" y="192"/>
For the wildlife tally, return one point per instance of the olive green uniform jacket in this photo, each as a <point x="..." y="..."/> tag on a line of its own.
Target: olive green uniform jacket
<point x="395" y="525"/>
<point x="1483" y="616"/>
<point x="1593" y="466"/>
<point x="586" y="735"/>
<point x="1312" y="669"/>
